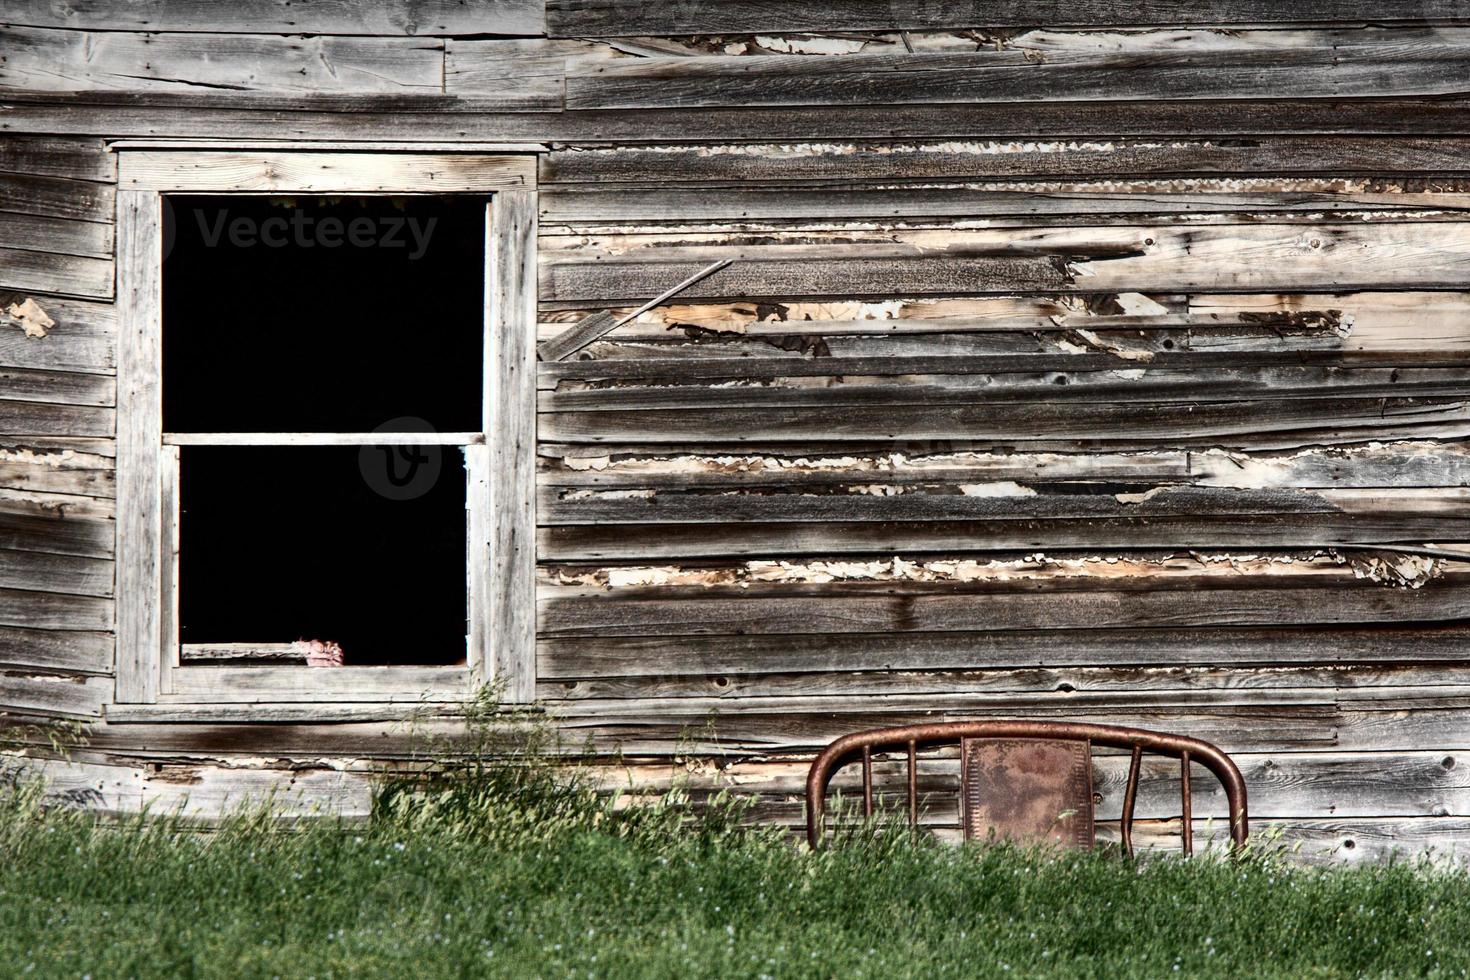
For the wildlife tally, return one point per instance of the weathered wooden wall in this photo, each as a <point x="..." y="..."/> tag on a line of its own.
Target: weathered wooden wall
<point x="1096" y="361"/>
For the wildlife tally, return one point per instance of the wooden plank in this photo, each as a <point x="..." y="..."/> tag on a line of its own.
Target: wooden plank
<point x="48" y="60"/>
<point x="665" y="728"/>
<point x="299" y="683"/>
<point x="200" y="793"/>
<point x="806" y="164"/>
<point x="47" y="272"/>
<point x="1041" y="67"/>
<point x="56" y="650"/>
<point x="56" y="197"/>
<point x="524" y="75"/>
<point x="1449" y="505"/>
<point x="44" y="572"/>
<point x="61" y="235"/>
<point x="1001" y="203"/>
<point x="953" y="609"/>
<point x="1113" y="679"/>
<point x="58" y="156"/>
<point x="1072" y="388"/>
<point x="57" y="387"/>
<point x="1129" y="422"/>
<point x="569" y="659"/>
<point x="52" y="611"/>
<point x="78" y="474"/>
<point x="25" y="529"/>
<point x="1128" y="258"/>
<point x="662" y="541"/>
<point x="54" y="694"/>
<point x="1400" y="464"/>
<point x="139" y="437"/>
<point x="591" y="328"/>
<point x="27" y="418"/>
<point x="285" y="17"/>
<point x="422" y="119"/>
<point x="511" y="425"/>
<point x="344" y="173"/>
<point x="609" y="18"/>
<point x="696" y="725"/>
<point x="628" y="279"/>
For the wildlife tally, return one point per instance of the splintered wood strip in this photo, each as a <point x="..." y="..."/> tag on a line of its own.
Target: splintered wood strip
<point x="54" y="695"/>
<point x="998" y="503"/>
<point x="1205" y="607"/>
<point x="609" y="18"/>
<point x="627" y="279"/>
<point x="1098" y="680"/>
<point x="1004" y="422"/>
<point x="598" y="324"/>
<point x="1145" y="385"/>
<point x="225" y="652"/>
<point x="1397" y="464"/>
<point x="1122" y="258"/>
<point x="612" y="658"/>
<point x="665" y="541"/>
<point x="1318" y="64"/>
<point x="747" y="163"/>
<point x="196" y="115"/>
<point x="787" y="204"/>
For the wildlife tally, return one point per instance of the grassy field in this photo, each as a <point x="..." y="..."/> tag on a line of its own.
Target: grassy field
<point x="518" y="874"/>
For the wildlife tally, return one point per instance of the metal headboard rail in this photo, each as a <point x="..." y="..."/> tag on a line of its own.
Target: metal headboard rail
<point x="1138" y="740"/>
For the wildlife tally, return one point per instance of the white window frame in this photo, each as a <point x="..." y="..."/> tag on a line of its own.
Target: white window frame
<point x="500" y="459"/>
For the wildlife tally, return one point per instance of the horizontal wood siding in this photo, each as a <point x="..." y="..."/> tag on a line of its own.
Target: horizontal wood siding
<point x="1108" y="431"/>
<point x="1097" y="361"/>
<point x="57" y="398"/>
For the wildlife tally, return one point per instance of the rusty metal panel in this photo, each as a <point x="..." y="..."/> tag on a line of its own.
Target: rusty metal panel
<point x="1028" y="790"/>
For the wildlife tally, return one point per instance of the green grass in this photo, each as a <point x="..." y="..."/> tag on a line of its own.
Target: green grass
<point x="510" y="872"/>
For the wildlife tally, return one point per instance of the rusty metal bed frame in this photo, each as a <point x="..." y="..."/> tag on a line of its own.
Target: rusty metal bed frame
<point x="846" y="749"/>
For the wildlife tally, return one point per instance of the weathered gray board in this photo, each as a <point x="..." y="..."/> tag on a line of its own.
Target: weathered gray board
<point x="1183" y="309"/>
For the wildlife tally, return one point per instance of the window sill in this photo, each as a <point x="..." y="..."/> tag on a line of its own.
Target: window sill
<point x="285" y="713"/>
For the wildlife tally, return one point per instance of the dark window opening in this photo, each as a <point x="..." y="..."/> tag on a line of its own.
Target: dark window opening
<point x="282" y="544"/>
<point x="307" y="315"/>
<point x="322" y="314"/>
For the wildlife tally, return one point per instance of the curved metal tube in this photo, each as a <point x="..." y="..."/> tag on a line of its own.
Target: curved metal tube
<point x="1113" y="736"/>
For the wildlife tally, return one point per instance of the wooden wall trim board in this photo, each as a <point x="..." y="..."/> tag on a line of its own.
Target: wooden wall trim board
<point x="140" y="526"/>
<point x="511" y="424"/>
<point x="225" y="171"/>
